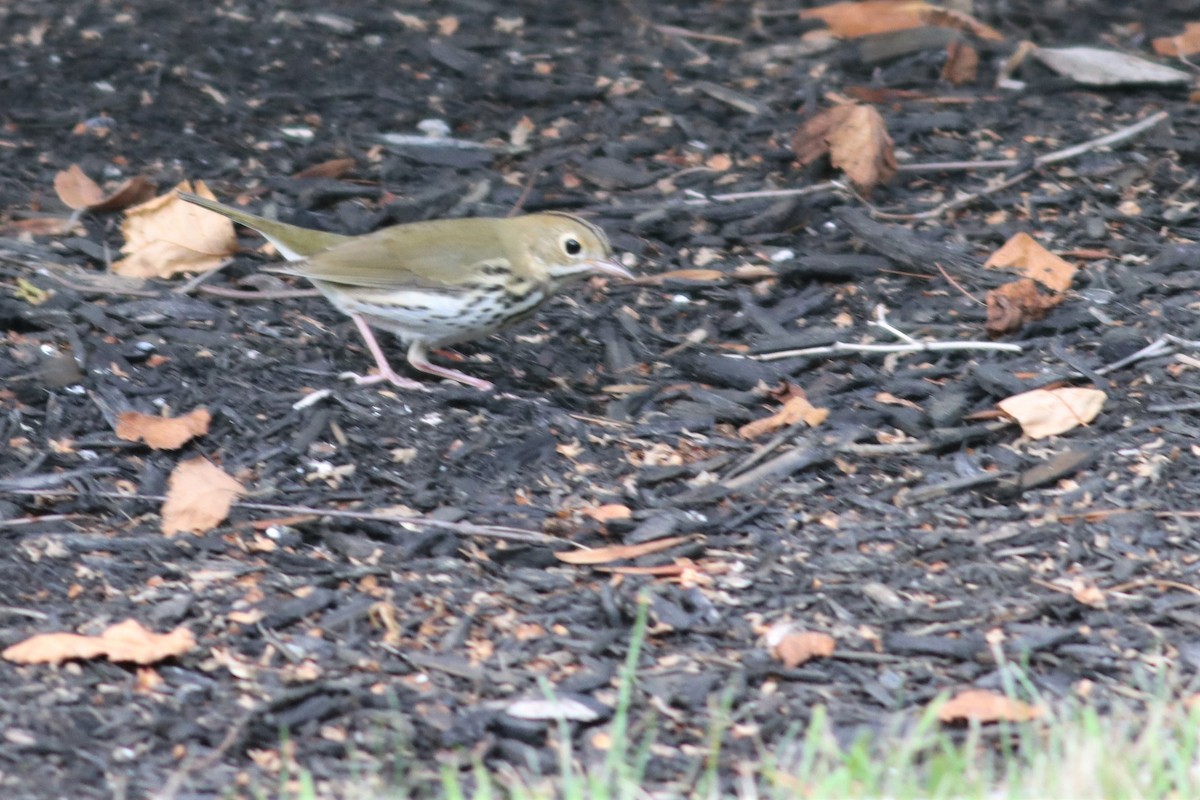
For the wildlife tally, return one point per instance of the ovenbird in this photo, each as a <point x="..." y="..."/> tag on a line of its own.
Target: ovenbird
<point x="439" y="282"/>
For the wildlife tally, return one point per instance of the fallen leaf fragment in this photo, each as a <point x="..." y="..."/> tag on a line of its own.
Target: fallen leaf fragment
<point x="694" y="275"/>
<point x="81" y="193"/>
<point x="852" y="20"/>
<point x="855" y="138"/>
<point x="984" y="706"/>
<point x="76" y="189"/>
<point x="1097" y="66"/>
<point x="162" y="433"/>
<point x="962" y="63"/>
<point x="126" y="642"/>
<point x="1182" y="44"/>
<point x="795" y="409"/>
<point x="334" y="168"/>
<point x="797" y="647"/>
<point x="165" y="236"/>
<point x="1048" y="412"/>
<point x="41" y="226"/>
<point x="1088" y="594"/>
<point x="199" y="496"/>
<point x="1023" y="254"/>
<point x="617" y="552"/>
<point x="607" y="512"/>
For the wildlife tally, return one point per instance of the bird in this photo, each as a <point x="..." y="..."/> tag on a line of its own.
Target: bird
<point x="437" y="282"/>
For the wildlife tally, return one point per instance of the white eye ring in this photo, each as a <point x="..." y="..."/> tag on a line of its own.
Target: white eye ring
<point x="570" y="245"/>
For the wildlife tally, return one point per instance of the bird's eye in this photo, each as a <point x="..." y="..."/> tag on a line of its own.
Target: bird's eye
<point x="572" y="246"/>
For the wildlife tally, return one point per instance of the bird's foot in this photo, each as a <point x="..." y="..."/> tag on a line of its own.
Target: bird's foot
<point x="398" y="381"/>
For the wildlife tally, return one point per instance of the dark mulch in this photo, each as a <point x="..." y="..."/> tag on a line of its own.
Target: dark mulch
<point x="906" y="525"/>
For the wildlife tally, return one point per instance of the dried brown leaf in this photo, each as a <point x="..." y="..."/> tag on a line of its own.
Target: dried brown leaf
<point x="607" y="512"/>
<point x="984" y="706"/>
<point x="962" y="63"/>
<point x="862" y="149"/>
<point x="694" y="275"/>
<point x="199" y="496"/>
<point x="166" y="235"/>
<point x="1088" y="594"/>
<point x="961" y="21"/>
<point x="1024" y="255"/>
<point x="855" y="138"/>
<point x="797" y="647"/>
<point x="80" y="192"/>
<point x="334" y="168"/>
<point x="1049" y="412"/>
<point x="41" y="226"/>
<point x="851" y="20"/>
<point x="1182" y="44"/>
<point x="1012" y="305"/>
<point x="617" y="552"/>
<point x="76" y="189"/>
<point x="795" y="409"/>
<point x="126" y="642"/>
<point x="162" y="433"/>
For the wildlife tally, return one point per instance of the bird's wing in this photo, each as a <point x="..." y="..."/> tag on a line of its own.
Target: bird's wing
<point x="419" y="255"/>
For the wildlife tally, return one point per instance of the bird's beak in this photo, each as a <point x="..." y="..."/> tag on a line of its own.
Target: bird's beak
<point x="610" y="266"/>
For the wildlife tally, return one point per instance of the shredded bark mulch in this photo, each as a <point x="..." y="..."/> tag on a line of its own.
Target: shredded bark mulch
<point x="390" y="587"/>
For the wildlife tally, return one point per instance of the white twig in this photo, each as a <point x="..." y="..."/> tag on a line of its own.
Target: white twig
<point x="1164" y="345"/>
<point x="908" y="344"/>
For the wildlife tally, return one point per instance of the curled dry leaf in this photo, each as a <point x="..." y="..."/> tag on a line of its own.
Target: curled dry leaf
<point x="1012" y="305"/>
<point x="199" y="496"/>
<point x="795" y="409"/>
<point x="81" y="193"/>
<point x="166" y="236"/>
<point x="1048" y="412"/>
<point x="126" y="642"/>
<point x="1023" y="254"/>
<point x="984" y="706"/>
<point x="855" y="138"/>
<point x="162" y="433"/>
<point x="797" y="647"/>
<point x="618" y="552"/>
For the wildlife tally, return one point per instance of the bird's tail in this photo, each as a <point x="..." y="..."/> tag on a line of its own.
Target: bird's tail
<point x="292" y="241"/>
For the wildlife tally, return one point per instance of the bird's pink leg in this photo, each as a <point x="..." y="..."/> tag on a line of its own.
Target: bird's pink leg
<point x="386" y="373"/>
<point x="418" y="356"/>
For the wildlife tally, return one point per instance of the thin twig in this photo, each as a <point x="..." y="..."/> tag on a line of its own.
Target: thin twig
<point x="908" y="345"/>
<point x="535" y="169"/>
<point x="956" y="285"/>
<point x="684" y="33"/>
<point x="950" y="205"/>
<point x="256" y="294"/>
<point x="1116" y="137"/>
<point x="700" y="199"/>
<point x="1065" y="154"/>
<point x="1164" y="345"/>
<point x="463" y="528"/>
